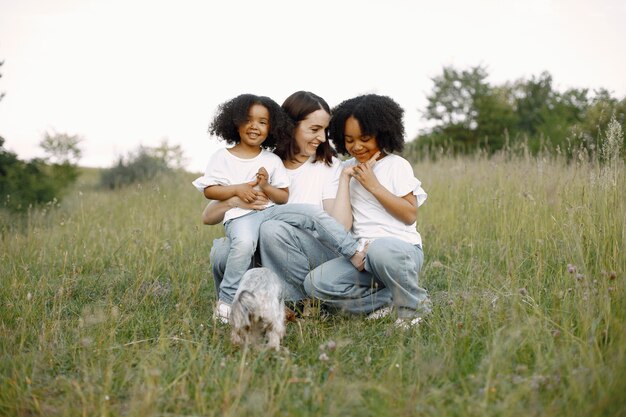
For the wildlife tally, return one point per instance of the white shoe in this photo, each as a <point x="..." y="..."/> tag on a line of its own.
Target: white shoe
<point x="221" y="312"/>
<point x="408" y="323"/>
<point x="379" y="314"/>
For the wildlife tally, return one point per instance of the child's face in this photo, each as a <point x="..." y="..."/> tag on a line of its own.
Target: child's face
<point x="255" y="130"/>
<point x="311" y="132"/>
<point x="359" y="146"/>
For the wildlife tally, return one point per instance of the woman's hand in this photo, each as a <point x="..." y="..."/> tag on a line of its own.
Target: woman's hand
<point x="259" y="203"/>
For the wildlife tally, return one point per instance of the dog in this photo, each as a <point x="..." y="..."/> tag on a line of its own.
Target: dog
<point x="258" y="310"/>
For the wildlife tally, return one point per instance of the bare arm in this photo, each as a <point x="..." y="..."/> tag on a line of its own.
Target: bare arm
<point x="340" y="208"/>
<point x="244" y="191"/>
<point x="277" y="195"/>
<point x="214" y="211"/>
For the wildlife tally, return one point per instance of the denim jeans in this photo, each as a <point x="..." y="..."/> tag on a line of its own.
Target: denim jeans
<point x="292" y="253"/>
<point x="243" y="233"/>
<point x="390" y="278"/>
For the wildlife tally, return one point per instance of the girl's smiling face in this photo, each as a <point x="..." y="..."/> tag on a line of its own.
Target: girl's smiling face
<point x="362" y="147"/>
<point x="311" y="132"/>
<point x="256" y="128"/>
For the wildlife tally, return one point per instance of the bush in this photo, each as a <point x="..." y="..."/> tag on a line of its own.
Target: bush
<point x="24" y="184"/>
<point x="142" y="166"/>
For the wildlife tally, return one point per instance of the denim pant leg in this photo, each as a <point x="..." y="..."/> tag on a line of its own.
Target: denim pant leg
<point x="243" y="233"/>
<point x="339" y="285"/>
<point x="291" y="253"/>
<point x="218" y="257"/>
<point x="311" y="217"/>
<point x="397" y="265"/>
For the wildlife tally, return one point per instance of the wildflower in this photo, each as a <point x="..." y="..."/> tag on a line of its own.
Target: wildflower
<point x="571" y="268"/>
<point x="523" y="291"/>
<point x="29" y="296"/>
<point x="436" y="264"/>
<point x="323" y="357"/>
<point x="580" y="276"/>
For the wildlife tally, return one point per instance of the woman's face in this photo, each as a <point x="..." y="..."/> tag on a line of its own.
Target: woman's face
<point x="362" y="147"/>
<point x="311" y="132"/>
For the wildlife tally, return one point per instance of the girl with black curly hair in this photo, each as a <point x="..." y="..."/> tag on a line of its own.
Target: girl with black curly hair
<point x="384" y="198"/>
<point x="313" y="169"/>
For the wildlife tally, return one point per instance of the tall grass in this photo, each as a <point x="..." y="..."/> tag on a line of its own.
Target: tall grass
<point x="106" y="303"/>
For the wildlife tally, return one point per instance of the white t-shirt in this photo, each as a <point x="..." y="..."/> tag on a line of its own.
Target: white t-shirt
<point x="313" y="182"/>
<point x="370" y="219"/>
<point x="224" y="168"/>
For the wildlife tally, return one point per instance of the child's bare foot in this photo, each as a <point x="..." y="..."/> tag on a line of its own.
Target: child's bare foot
<point x="358" y="259"/>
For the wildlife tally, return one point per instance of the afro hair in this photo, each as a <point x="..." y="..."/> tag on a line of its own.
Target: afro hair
<point x="233" y="113"/>
<point x="378" y="116"/>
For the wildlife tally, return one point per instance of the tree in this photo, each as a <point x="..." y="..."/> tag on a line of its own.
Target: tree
<point x="454" y="97"/>
<point x="467" y="111"/>
<point x="61" y="148"/>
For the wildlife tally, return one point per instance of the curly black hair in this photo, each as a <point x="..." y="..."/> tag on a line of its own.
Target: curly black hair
<point x="298" y="106"/>
<point x="233" y="113"/>
<point x="378" y="116"/>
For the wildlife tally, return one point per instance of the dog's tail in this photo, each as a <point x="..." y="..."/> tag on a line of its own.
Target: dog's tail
<point x="245" y="303"/>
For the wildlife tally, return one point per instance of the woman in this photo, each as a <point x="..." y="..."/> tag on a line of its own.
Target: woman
<point x="313" y="169"/>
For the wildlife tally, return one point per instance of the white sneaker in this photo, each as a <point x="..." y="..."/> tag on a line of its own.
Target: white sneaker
<point x="408" y="323"/>
<point x="379" y="314"/>
<point x="221" y="312"/>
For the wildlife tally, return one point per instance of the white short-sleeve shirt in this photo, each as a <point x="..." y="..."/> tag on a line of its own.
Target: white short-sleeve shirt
<point x="224" y="168"/>
<point x="370" y="219"/>
<point x="313" y="182"/>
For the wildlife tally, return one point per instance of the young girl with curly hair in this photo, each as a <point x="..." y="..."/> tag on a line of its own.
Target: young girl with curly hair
<point x="384" y="200"/>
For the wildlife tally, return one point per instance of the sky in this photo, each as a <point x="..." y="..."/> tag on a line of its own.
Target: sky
<point x="125" y="73"/>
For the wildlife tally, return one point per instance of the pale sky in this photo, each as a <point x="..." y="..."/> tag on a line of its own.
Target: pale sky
<point x="121" y="73"/>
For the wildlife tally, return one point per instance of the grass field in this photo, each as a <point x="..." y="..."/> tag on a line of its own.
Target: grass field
<point x="106" y="303"/>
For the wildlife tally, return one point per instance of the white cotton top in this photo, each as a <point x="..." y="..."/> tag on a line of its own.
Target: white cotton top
<point x="370" y="219"/>
<point x="224" y="168"/>
<point x="312" y="182"/>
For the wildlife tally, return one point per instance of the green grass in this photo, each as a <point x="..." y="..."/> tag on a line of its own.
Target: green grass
<point x="106" y="304"/>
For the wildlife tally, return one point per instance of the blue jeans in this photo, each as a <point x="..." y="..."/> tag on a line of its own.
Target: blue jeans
<point x="243" y="233"/>
<point x="292" y="253"/>
<point x="390" y="278"/>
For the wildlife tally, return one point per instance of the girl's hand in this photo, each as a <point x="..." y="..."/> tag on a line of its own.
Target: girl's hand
<point x="364" y="173"/>
<point x="349" y="171"/>
<point x="261" y="177"/>
<point x="246" y="192"/>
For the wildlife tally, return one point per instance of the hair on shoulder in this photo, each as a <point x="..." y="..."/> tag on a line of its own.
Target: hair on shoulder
<point x="379" y="116"/>
<point x="299" y="106"/>
<point x="234" y="112"/>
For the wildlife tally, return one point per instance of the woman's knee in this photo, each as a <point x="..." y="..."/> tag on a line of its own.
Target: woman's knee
<point x="274" y="231"/>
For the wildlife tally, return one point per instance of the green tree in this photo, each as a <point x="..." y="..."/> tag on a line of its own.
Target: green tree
<point x="61" y="148"/>
<point x="468" y="112"/>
